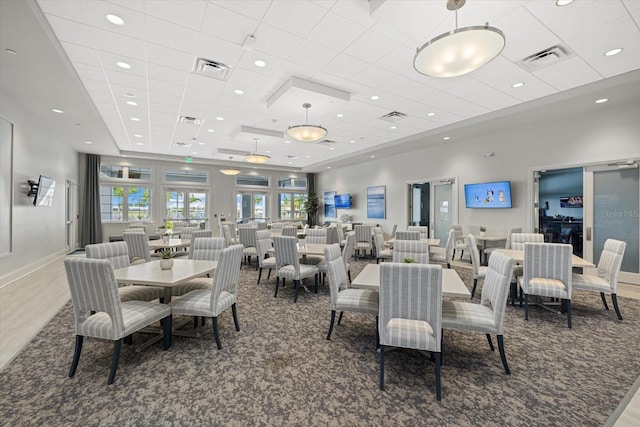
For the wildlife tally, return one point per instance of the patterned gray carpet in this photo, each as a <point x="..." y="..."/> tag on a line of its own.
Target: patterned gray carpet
<point x="280" y="370"/>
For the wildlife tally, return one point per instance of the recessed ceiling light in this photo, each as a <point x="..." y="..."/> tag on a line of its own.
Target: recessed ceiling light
<point x="289" y="163"/>
<point x="446" y="138"/>
<point x="11" y="51"/>
<point x="373" y="157"/>
<point x="308" y="157"/>
<point x="431" y="114"/>
<point x="55" y="110"/>
<point x="352" y="142"/>
<point x="194" y="152"/>
<point x="260" y="63"/>
<point x="129" y="95"/>
<point x="135" y="119"/>
<point x="137" y="135"/>
<point x="115" y="19"/>
<point x="392" y="127"/>
<point x="124" y="65"/>
<point x="239" y="92"/>
<point x="613" y="51"/>
<point x="331" y="148"/>
<point x="139" y="143"/>
<point x="200" y="143"/>
<point x="517" y="85"/>
<point x="375" y="97"/>
<point x="88" y="142"/>
<point x="134" y="103"/>
<point x="563" y="2"/>
<point x="210" y="130"/>
<point x="268" y="151"/>
<point x="328" y="167"/>
<point x="339" y="115"/>
<point x="601" y="100"/>
<point x="287" y="142"/>
<point x="220" y="118"/>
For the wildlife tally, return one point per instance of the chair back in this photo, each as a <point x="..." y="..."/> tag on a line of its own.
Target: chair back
<point x="196" y="235"/>
<point x="207" y="248"/>
<point x="363" y="234"/>
<point x="227" y="273"/>
<point x="417" y="250"/>
<point x="290" y="231"/>
<point x="518" y="240"/>
<point x="228" y="236"/>
<point x="458" y="229"/>
<point x="393" y="230"/>
<point x="263" y="245"/>
<point x="247" y="236"/>
<point x="336" y="271"/>
<point x="413" y="292"/>
<point x="286" y="250"/>
<point x="340" y="231"/>
<point x="611" y="261"/>
<point x="94" y="288"/>
<point x="407" y="235"/>
<point x="278" y="226"/>
<point x="348" y="248"/>
<point x="475" y="255"/>
<point x="565" y="235"/>
<point x="451" y="244"/>
<point x="422" y="229"/>
<point x="317" y="235"/>
<point x="548" y="261"/>
<point x="378" y="239"/>
<point x="495" y="290"/>
<point x="138" y="245"/>
<point x="507" y="243"/>
<point x="187" y="232"/>
<point x="117" y="253"/>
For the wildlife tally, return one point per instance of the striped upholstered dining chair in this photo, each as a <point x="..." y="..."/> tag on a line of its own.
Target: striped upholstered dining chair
<point x="479" y="271"/>
<point x="417" y="250"/>
<point x="288" y="264"/>
<point x="407" y="235"/>
<point x="100" y="313"/>
<point x="138" y="244"/>
<point x="411" y="311"/>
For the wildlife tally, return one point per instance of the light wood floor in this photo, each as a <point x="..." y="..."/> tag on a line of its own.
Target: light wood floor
<point x="28" y="304"/>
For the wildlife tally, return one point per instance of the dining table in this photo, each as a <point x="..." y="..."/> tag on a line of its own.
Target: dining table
<point x="483" y="240"/>
<point x="518" y="255"/>
<point x="452" y="285"/>
<point x="156" y="245"/>
<point x="431" y="242"/>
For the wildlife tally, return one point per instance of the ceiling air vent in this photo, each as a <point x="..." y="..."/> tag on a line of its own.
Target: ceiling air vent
<point x="546" y="58"/>
<point x="213" y="69"/>
<point x="393" y="116"/>
<point x="181" y="144"/>
<point x="186" y="120"/>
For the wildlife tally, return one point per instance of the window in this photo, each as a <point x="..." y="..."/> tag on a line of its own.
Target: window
<point x="125" y="203"/>
<point x="193" y="176"/>
<point x="252" y="180"/>
<point x="291" y="206"/>
<point x="186" y="204"/>
<point x="296" y="183"/>
<point x="125" y="172"/>
<point x="251" y="205"/>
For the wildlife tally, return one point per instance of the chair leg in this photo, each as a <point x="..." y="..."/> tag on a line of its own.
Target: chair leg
<point x="461" y="254"/>
<point x="333" y="318"/>
<point x="166" y="331"/>
<point x="438" y="369"/>
<point x="234" y="311"/>
<point x="377" y="334"/>
<point x="315" y="278"/>
<point x="76" y="355"/>
<point x="473" y="291"/>
<point x="269" y="274"/>
<point x="490" y="342"/>
<point x="259" y="275"/>
<point x="340" y="318"/>
<point x="195" y="322"/>
<point x="117" y="344"/>
<point x="382" y="367"/>
<point x="215" y="333"/>
<point x="604" y="301"/>
<point x="277" y="285"/>
<point x="526" y="307"/>
<point x="503" y="356"/>
<point x="296" y="285"/>
<point x="454" y="255"/>
<point x="568" y="302"/>
<point x="349" y="275"/>
<point x="614" y="298"/>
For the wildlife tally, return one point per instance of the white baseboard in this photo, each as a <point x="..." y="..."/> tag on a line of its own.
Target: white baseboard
<point x="12" y="276"/>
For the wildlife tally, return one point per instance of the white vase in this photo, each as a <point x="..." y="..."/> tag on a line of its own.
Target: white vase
<point x="166" y="264"/>
<point x="482" y="234"/>
<point x="302" y="243"/>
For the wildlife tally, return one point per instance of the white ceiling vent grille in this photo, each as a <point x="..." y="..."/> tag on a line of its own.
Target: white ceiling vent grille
<point x="228" y="151"/>
<point x="546" y="58"/>
<point x="393" y="116"/>
<point x="213" y="69"/>
<point x="186" y="120"/>
<point x="181" y="144"/>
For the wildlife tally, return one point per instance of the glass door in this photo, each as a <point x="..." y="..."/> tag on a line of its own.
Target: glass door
<point x="251" y="205"/>
<point x="443" y="209"/>
<point x="612" y="211"/>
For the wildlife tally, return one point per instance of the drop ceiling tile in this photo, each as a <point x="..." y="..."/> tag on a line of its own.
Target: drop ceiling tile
<point x="187" y="13"/>
<point x="124" y="79"/>
<point x="587" y="18"/>
<point x="245" y="78"/>
<point x="518" y="28"/>
<point x="370" y="47"/>
<point x="167" y="74"/>
<point x="294" y="16"/>
<point x="254" y="9"/>
<point x="157" y="86"/>
<point x="162" y="98"/>
<point x="89" y="72"/>
<point x="95" y="15"/>
<point x="373" y="77"/>
<point x="171" y="35"/>
<point x="276" y="42"/>
<point x="168" y="57"/>
<point x="227" y="24"/>
<point x="400" y="61"/>
<point x="95" y="86"/>
<point x="70" y="9"/>
<point x="345" y="66"/>
<point x="290" y="69"/>
<point x="248" y="58"/>
<point x="109" y="61"/>
<point x="356" y="11"/>
<point x="200" y="83"/>
<point x="310" y="54"/>
<point x="81" y="54"/>
<point x="568" y="74"/>
<point x="336" y="32"/>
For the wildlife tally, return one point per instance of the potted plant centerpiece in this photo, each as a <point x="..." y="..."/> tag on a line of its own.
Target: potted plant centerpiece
<point x="409" y="260"/>
<point x="302" y="240"/>
<point x="166" y="262"/>
<point x="483" y="231"/>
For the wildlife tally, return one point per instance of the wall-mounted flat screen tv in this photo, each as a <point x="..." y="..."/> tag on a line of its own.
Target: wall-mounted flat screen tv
<point x="342" y="201"/>
<point x="571" y="202"/>
<point x="490" y="195"/>
<point x="44" y="195"/>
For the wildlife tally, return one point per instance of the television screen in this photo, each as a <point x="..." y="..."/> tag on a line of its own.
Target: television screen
<point x="342" y="201"/>
<point x="492" y="195"/>
<point x="571" y="202"/>
<point x="44" y="196"/>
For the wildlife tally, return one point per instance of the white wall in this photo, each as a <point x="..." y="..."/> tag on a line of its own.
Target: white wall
<point x="611" y="133"/>
<point x="38" y="232"/>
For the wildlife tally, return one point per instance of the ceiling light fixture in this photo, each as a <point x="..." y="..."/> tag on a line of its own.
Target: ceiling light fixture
<point x="88" y="142"/>
<point x="55" y="110"/>
<point x="255" y="157"/>
<point x="601" y="100"/>
<point x="460" y="51"/>
<point x="613" y="51"/>
<point x="124" y="65"/>
<point x="517" y="85"/>
<point x="307" y="132"/>
<point x="134" y="103"/>
<point x="563" y="2"/>
<point x="431" y="114"/>
<point x="375" y="97"/>
<point x="260" y="63"/>
<point x="238" y="92"/>
<point x="115" y="19"/>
